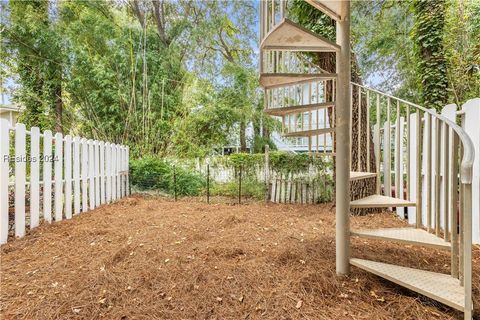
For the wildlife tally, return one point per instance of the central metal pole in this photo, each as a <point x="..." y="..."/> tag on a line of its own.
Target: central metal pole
<point x="342" y="128"/>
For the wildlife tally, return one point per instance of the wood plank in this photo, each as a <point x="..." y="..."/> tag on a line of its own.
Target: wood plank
<point x="20" y="179"/>
<point x="58" y="166"/>
<point x="47" y="176"/>
<point x="404" y="235"/>
<point x="84" y="175"/>
<point x="91" y="179"/>
<point x="68" y="177"/>
<point x="379" y="201"/>
<point x="288" y="35"/>
<point x="437" y="286"/>
<point x="34" y="177"/>
<point x="4" y="178"/>
<point x="76" y="175"/>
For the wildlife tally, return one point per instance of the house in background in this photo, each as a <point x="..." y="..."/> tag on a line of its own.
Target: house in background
<point x="10" y="112"/>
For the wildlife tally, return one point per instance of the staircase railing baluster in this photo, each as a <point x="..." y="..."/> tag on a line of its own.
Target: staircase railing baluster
<point x="446" y="181"/>
<point x="368" y="129"/>
<point x="428" y="174"/>
<point x="398" y="192"/>
<point x="408" y="181"/>
<point x="454" y="207"/>
<point x="377" y="143"/>
<point x="387" y="153"/>
<point x="438" y="148"/>
<point x="420" y="153"/>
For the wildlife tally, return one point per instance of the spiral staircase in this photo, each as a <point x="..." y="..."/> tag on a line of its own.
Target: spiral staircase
<point x="305" y="97"/>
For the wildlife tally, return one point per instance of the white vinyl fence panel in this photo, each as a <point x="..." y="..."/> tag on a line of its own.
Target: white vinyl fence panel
<point x="79" y="170"/>
<point x="469" y="117"/>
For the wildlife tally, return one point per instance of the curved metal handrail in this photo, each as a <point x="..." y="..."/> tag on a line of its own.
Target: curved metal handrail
<point x="466" y="174"/>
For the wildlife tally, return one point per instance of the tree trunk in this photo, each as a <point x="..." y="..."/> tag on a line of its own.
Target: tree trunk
<point x="364" y="187"/>
<point x="58" y="108"/>
<point x="243" y="139"/>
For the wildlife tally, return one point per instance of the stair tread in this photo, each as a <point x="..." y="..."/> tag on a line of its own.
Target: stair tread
<point x="379" y="201"/>
<point x="357" y="175"/>
<point x="275" y="80"/>
<point x="405" y="235"/>
<point x="281" y="111"/>
<point x="438" y="286"/>
<point x="330" y="8"/>
<point x="288" y="35"/>
<point x="309" y="133"/>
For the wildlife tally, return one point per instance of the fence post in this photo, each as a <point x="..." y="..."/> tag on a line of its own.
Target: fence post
<point x="240" y="185"/>
<point x="174" y="183"/>
<point x="84" y="161"/>
<point x="267" y="172"/>
<point x="470" y="124"/>
<point x="47" y="176"/>
<point x="4" y="172"/>
<point x="127" y="167"/>
<point x="208" y="182"/>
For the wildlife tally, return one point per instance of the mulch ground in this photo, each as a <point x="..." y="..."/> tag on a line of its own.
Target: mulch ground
<point x="152" y="258"/>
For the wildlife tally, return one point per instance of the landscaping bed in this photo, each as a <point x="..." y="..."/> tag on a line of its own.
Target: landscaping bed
<point x="147" y="257"/>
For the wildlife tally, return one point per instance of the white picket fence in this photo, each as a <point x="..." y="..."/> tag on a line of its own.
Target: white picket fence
<point x="469" y="118"/>
<point x="86" y="174"/>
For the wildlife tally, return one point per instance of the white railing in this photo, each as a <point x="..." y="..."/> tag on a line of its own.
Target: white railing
<point x="420" y="170"/>
<point x="85" y="175"/>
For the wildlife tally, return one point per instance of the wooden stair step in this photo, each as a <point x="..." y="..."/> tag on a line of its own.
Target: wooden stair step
<point x="358" y="175"/>
<point x="437" y="286"/>
<point x="276" y="80"/>
<point x="282" y="111"/>
<point x="329" y="7"/>
<point x="309" y="133"/>
<point x="404" y="235"/>
<point x="288" y="35"/>
<point x="379" y="201"/>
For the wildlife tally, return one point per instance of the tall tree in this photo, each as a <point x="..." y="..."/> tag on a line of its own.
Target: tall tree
<point x="318" y="22"/>
<point x="35" y="53"/>
<point x="431" y="65"/>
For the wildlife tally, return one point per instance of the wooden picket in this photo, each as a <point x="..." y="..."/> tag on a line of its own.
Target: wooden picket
<point x="20" y="180"/>
<point x="295" y="190"/>
<point x="4" y="177"/>
<point x="34" y="177"/>
<point x="78" y="169"/>
<point x="68" y="177"/>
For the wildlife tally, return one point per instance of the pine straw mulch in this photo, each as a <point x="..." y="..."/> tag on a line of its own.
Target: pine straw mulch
<point x="151" y="258"/>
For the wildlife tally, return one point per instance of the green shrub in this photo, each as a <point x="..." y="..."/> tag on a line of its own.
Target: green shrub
<point x="250" y="189"/>
<point x="152" y="173"/>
